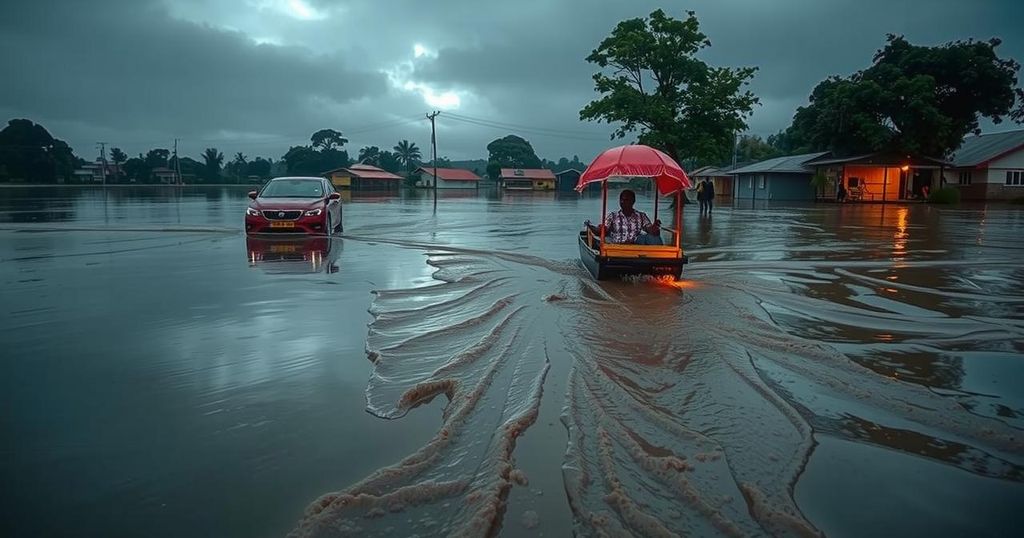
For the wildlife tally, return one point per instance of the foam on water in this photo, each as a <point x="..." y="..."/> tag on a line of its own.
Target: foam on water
<point x="691" y="408"/>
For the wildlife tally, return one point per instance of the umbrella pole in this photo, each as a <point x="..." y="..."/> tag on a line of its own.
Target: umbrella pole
<point x="604" y="209"/>
<point x="679" y="217"/>
<point x="655" y="188"/>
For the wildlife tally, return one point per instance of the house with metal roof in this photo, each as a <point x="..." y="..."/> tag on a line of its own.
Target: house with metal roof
<point x="883" y="176"/>
<point x="781" y="178"/>
<point x="989" y="167"/>
<point x="566" y="180"/>
<point x="447" y="178"/>
<point x="363" y="176"/>
<point x="525" y="179"/>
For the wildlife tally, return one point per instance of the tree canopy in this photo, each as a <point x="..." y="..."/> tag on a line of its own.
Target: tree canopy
<point x="510" y="152"/>
<point x="28" y="152"/>
<point x="656" y="86"/>
<point x="327" y="139"/>
<point x="913" y="99"/>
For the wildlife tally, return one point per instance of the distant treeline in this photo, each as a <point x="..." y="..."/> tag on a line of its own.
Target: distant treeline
<point x="30" y="154"/>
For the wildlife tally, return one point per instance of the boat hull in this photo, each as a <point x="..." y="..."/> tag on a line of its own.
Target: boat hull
<point x="606" y="267"/>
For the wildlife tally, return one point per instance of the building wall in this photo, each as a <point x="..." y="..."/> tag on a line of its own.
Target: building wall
<point x="783" y="187"/>
<point x="990" y="183"/>
<point x="567" y="181"/>
<point x="340" y="179"/>
<point x="445" y="184"/>
<point x="878" y="181"/>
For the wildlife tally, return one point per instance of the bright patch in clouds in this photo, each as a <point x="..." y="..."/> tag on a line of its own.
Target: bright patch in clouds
<point x="302" y="11"/>
<point x="420" y="51"/>
<point x="432" y="97"/>
<point x="296" y="9"/>
<point x="401" y="76"/>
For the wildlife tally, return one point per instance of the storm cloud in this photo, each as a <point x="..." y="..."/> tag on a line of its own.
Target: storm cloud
<point x="257" y="76"/>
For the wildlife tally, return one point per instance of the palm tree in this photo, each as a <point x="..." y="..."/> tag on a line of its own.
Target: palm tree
<point x="118" y="157"/>
<point x="369" y="155"/>
<point x="213" y="160"/>
<point x="408" y="154"/>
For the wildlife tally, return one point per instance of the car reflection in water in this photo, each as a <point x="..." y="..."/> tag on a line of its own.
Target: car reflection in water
<point x="292" y="255"/>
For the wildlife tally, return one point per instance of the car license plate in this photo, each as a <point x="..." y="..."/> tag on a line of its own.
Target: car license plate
<point x="278" y="249"/>
<point x="282" y="224"/>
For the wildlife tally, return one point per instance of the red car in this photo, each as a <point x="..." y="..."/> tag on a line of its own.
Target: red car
<point x="307" y="205"/>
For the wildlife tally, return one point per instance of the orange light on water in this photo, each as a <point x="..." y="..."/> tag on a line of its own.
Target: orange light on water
<point x="678" y="284"/>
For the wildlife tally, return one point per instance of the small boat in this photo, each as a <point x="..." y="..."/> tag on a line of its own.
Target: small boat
<point x="609" y="260"/>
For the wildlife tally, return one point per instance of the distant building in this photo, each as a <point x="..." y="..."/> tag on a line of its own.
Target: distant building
<point x="719" y="177"/>
<point x="781" y="178"/>
<point x="94" y="173"/>
<point x="566" y="180"/>
<point x="537" y="179"/>
<point x="989" y="167"/>
<point x="165" y="175"/>
<point x="447" y="178"/>
<point x="363" y="177"/>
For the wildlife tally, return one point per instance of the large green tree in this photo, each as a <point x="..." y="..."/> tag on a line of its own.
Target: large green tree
<point x="913" y="99"/>
<point x="653" y="84"/>
<point x="28" y="152"/>
<point x="327" y="139"/>
<point x="510" y="152"/>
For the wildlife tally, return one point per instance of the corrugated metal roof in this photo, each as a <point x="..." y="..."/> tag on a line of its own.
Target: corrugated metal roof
<point x="527" y="173"/>
<point x="793" y="164"/>
<point x="450" y="174"/>
<point x="981" y="149"/>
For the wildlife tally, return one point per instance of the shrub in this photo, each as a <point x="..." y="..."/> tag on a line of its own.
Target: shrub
<point x="948" y="195"/>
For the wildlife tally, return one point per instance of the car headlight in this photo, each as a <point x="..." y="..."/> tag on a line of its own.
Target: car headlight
<point x="314" y="212"/>
<point x="251" y="212"/>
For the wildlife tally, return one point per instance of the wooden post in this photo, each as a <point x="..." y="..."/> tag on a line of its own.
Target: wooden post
<point x="885" y="181"/>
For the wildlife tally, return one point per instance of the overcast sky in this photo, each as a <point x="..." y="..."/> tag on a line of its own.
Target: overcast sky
<point x="257" y="76"/>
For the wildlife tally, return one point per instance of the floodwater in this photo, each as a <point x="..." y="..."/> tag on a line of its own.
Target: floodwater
<point x="846" y="371"/>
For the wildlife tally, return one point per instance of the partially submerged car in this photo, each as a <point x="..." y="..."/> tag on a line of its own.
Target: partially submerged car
<point x="307" y="205"/>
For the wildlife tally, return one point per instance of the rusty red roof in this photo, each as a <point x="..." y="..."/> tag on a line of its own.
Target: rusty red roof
<point x="527" y="173"/>
<point x="450" y="174"/>
<point x="365" y="171"/>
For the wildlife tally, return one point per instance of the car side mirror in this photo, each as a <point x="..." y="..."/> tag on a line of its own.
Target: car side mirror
<point x="252" y="195"/>
<point x="334" y="196"/>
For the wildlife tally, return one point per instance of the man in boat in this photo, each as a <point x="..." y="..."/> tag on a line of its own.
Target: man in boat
<point x="626" y="225"/>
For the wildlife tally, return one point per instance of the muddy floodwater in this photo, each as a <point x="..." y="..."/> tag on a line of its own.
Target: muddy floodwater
<point x="850" y="370"/>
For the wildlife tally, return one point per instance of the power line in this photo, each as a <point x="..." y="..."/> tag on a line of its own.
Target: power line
<point x="522" y="126"/>
<point x="530" y="131"/>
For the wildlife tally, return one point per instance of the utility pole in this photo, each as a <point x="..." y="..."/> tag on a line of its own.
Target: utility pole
<point x="177" y="164"/>
<point x="103" y="161"/>
<point x="433" y="144"/>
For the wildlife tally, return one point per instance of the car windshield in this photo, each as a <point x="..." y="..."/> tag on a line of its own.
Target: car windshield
<point x="293" y="188"/>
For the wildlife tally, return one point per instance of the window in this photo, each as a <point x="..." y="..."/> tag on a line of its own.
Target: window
<point x="761" y="181"/>
<point x="751" y="183"/>
<point x="1015" y="177"/>
<point x="965" y="177"/>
